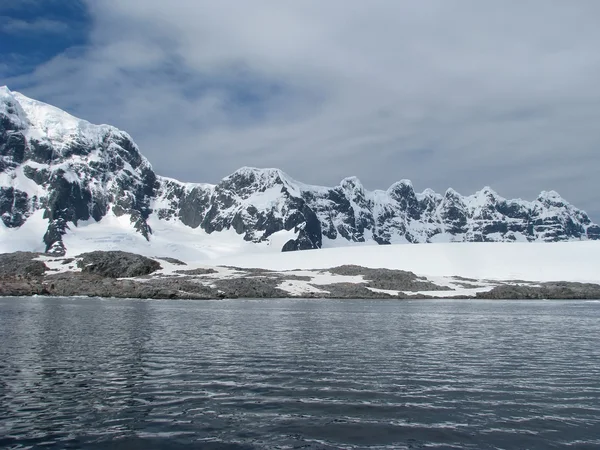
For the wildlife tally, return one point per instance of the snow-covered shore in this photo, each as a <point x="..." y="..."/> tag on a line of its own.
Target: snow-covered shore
<point x="122" y="274"/>
<point x="565" y="261"/>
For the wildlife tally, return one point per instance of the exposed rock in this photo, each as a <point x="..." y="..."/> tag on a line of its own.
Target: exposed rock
<point x="198" y="271"/>
<point x="388" y="279"/>
<point x="14" y="206"/>
<point x="116" y="264"/>
<point x="174" y="261"/>
<point x="21" y="264"/>
<point x="22" y="287"/>
<point x="550" y="291"/>
<point x="95" y="286"/>
<point x="250" y="287"/>
<point x="350" y="290"/>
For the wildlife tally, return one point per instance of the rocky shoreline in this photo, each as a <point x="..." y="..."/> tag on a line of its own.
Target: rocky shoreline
<point x="127" y="275"/>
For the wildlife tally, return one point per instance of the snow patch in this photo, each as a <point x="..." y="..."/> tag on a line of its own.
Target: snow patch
<point x="299" y="288"/>
<point x="27" y="237"/>
<point x="559" y="261"/>
<point x="384" y="291"/>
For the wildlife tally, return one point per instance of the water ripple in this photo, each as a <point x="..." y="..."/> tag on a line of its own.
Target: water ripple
<point x="100" y="373"/>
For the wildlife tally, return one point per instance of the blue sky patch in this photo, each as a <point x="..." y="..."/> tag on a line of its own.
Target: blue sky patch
<point x="33" y="32"/>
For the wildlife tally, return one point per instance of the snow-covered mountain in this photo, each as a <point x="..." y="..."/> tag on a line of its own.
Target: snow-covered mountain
<point x="61" y="172"/>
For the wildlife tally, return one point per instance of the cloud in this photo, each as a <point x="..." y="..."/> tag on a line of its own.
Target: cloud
<point x="447" y="93"/>
<point x="12" y="26"/>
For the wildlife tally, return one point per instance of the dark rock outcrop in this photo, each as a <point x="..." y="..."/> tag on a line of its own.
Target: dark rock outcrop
<point x="548" y="291"/>
<point x="116" y="264"/>
<point x="21" y="264"/>
<point x="388" y="279"/>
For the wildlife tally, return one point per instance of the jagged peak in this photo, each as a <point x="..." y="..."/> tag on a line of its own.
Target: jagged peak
<point x="270" y="171"/>
<point x="552" y="198"/>
<point x="487" y="194"/>
<point x="430" y="193"/>
<point x="452" y="193"/>
<point x="487" y="191"/>
<point x="484" y="198"/>
<point x="268" y="174"/>
<point x="402" y="189"/>
<point x="65" y="134"/>
<point x="352" y="180"/>
<point x="402" y="184"/>
<point x="188" y="186"/>
<point x="352" y="185"/>
<point x="453" y="198"/>
<point x="5" y="94"/>
<point x="553" y="195"/>
<point x="10" y="107"/>
<point x="259" y="179"/>
<point x="48" y="123"/>
<point x="43" y="115"/>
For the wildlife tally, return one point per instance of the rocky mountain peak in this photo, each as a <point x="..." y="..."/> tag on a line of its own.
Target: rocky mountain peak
<point x="72" y="171"/>
<point x="11" y="110"/>
<point x="404" y="194"/>
<point x="249" y="180"/>
<point x="265" y="176"/>
<point x="452" y="195"/>
<point x="75" y="170"/>
<point x="551" y="198"/>
<point x="429" y="193"/>
<point x="352" y="185"/>
<point x="487" y="192"/>
<point x="402" y="189"/>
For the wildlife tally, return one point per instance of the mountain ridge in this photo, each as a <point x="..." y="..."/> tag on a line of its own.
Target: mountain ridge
<point x="75" y="171"/>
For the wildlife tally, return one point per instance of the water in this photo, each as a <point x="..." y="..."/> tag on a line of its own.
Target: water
<point x="100" y="373"/>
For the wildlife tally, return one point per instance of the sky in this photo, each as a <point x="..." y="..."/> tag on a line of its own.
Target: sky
<point x="446" y="93"/>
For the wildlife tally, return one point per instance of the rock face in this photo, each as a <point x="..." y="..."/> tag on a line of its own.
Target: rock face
<point x="255" y="203"/>
<point x="116" y="264"/>
<point x="72" y="171"/>
<point x="21" y="264"/>
<point x="259" y="202"/>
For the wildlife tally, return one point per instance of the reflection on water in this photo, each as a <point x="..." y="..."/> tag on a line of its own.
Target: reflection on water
<point x="100" y="373"/>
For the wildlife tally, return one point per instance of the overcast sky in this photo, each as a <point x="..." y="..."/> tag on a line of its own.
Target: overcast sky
<point x="461" y="93"/>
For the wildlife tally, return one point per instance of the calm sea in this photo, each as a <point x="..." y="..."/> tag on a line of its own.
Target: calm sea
<point x="309" y="374"/>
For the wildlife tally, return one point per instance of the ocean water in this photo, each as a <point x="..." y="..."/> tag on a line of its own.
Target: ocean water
<point x="309" y="374"/>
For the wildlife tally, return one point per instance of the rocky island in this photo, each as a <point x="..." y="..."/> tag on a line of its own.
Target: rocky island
<point x="127" y="275"/>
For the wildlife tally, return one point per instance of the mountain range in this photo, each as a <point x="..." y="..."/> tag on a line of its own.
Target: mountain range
<point x="71" y="171"/>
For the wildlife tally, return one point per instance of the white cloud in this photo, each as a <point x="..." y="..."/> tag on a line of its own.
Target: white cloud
<point x="460" y="92"/>
<point x="13" y="26"/>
